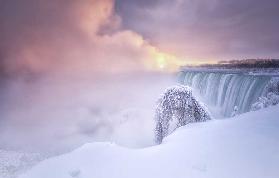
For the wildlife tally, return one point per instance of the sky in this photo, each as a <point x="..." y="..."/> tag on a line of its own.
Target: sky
<point x="208" y="30"/>
<point x="69" y="36"/>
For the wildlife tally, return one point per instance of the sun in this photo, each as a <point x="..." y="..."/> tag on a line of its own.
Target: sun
<point x="167" y="62"/>
<point x="161" y="61"/>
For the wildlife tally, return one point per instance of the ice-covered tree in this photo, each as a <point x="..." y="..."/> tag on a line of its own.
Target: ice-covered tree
<point x="272" y="86"/>
<point x="177" y="107"/>
<point x="235" y="109"/>
<point x="266" y="101"/>
<point x="270" y="95"/>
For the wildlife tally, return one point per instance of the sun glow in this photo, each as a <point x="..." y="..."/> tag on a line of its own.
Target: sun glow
<point x="161" y="61"/>
<point x="166" y="62"/>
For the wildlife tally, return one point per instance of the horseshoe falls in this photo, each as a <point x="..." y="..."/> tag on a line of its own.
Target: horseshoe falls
<point x="226" y="92"/>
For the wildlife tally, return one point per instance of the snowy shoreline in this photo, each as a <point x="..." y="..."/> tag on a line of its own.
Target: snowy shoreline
<point x="274" y="72"/>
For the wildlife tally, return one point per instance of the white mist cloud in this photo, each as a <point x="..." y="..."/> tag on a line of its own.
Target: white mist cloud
<point x="56" y="115"/>
<point x="70" y="37"/>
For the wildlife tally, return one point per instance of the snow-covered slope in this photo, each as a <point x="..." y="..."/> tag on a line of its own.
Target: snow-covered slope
<point x="245" y="146"/>
<point x="13" y="163"/>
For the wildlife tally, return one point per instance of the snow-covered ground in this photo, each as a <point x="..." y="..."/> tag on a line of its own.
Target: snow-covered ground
<point x="245" y="146"/>
<point x="13" y="163"/>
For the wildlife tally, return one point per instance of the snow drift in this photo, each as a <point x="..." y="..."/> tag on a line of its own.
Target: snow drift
<point x="177" y="107"/>
<point x="14" y="163"/>
<point x="244" y="146"/>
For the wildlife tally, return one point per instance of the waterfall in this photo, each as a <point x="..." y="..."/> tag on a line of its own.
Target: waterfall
<point x="229" y="92"/>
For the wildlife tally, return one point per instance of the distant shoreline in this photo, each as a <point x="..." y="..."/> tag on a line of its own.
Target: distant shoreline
<point x="247" y="66"/>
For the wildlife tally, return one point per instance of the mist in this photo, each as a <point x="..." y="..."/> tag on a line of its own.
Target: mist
<point x="71" y="74"/>
<point x="56" y="115"/>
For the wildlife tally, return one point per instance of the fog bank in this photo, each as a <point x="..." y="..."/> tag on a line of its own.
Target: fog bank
<point x="54" y="114"/>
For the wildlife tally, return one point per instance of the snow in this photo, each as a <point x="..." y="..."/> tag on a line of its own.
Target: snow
<point x="13" y="163"/>
<point x="270" y="95"/>
<point x="244" y="146"/>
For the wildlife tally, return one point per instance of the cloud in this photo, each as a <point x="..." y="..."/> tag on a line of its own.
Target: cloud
<point x="218" y="29"/>
<point x="69" y="37"/>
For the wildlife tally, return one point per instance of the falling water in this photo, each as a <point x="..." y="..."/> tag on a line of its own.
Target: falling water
<point x="226" y="91"/>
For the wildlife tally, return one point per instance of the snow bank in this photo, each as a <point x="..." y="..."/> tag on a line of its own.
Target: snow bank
<point x="245" y="146"/>
<point x="177" y="107"/>
<point x="13" y="163"/>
